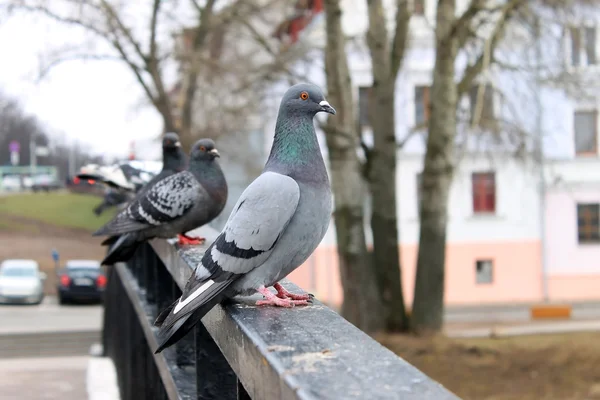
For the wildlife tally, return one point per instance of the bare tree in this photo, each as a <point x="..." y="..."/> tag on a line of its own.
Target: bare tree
<point x="359" y="282"/>
<point x="386" y="60"/>
<point x="149" y="50"/>
<point x="452" y="35"/>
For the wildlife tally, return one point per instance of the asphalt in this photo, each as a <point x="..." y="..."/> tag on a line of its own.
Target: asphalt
<point x="49" y="317"/>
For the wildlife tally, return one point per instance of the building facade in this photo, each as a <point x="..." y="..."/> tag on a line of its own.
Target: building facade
<point x="523" y="227"/>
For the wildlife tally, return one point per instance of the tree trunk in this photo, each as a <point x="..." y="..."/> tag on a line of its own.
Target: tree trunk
<point x="384" y="222"/>
<point x="361" y="297"/>
<point x="428" y="304"/>
<point x="382" y="172"/>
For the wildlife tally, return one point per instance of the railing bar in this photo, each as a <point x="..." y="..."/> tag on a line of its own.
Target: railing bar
<point x="159" y="359"/>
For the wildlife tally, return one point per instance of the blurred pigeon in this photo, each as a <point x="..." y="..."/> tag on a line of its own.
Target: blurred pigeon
<point x="174" y="205"/>
<point x="276" y="224"/>
<point x="174" y="160"/>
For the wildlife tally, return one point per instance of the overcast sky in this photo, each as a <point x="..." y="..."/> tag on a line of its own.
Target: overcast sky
<point x="95" y="102"/>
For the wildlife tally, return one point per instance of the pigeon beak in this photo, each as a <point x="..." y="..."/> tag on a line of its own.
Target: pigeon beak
<point x="215" y="153"/>
<point x="325" y="106"/>
<point x="177" y="144"/>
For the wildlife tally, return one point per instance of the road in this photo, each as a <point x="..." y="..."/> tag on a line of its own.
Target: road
<point x="44" y="350"/>
<point x="49" y="317"/>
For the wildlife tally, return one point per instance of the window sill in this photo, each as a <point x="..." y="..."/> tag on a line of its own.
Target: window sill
<point x="588" y="244"/>
<point x="485" y="216"/>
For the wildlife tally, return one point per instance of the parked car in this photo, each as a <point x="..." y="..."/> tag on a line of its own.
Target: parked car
<point x="45" y="183"/>
<point x="81" y="280"/>
<point x="10" y="183"/>
<point x="21" y="282"/>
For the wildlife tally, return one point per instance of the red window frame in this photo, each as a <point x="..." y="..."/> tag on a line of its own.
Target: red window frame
<point x="484" y="192"/>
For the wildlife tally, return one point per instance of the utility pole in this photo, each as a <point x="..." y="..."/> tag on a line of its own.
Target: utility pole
<point x="32" y="155"/>
<point x="540" y="151"/>
<point x="72" y="159"/>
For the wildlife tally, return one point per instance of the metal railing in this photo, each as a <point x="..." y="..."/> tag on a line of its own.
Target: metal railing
<point x="241" y="351"/>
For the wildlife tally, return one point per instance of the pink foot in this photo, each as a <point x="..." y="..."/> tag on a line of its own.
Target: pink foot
<point x="282" y="293"/>
<point x="273" y="300"/>
<point x="186" y="240"/>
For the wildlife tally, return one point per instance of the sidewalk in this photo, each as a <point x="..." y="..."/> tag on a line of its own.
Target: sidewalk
<point x="516" y="328"/>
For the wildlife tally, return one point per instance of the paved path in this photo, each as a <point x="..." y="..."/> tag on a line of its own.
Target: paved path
<point x="50" y="317"/>
<point x="60" y="378"/>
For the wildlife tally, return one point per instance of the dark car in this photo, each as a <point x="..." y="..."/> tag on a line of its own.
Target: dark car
<point x="81" y="280"/>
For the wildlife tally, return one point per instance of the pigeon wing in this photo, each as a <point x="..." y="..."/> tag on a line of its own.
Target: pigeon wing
<point x="257" y="221"/>
<point x="164" y="202"/>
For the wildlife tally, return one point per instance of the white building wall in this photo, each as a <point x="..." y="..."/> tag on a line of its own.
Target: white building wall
<point x="517" y="181"/>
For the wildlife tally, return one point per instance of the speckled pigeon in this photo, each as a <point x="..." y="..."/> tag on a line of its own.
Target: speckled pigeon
<point x="176" y="204"/>
<point x="174" y="160"/>
<point x="276" y="224"/>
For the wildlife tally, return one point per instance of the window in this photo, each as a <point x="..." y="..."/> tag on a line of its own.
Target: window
<point x="585" y="132"/>
<point x="419" y="7"/>
<point x="484" y="271"/>
<point x="486" y="115"/>
<point x="588" y="223"/>
<point x="484" y="192"/>
<point x="583" y="46"/>
<point x="364" y="97"/>
<point x="422" y="105"/>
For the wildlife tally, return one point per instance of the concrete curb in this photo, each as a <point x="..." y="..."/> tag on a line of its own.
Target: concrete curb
<point x="537" y="328"/>
<point x="101" y="377"/>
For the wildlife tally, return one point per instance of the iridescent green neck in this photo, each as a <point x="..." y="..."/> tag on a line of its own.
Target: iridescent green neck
<point x="296" y="150"/>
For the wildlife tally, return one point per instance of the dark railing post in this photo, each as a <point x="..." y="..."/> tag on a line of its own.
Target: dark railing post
<point x="142" y="268"/>
<point x="151" y="267"/>
<point x="214" y="377"/>
<point x="241" y="392"/>
<point x="163" y="287"/>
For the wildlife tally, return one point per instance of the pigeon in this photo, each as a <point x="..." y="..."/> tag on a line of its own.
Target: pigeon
<point x="276" y="224"/>
<point x="174" y="160"/>
<point x="174" y="205"/>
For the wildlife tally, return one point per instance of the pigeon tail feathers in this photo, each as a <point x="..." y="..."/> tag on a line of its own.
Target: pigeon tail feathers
<point x="181" y="316"/>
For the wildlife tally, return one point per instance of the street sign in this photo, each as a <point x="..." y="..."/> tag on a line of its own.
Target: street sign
<point x="14" y="146"/>
<point x="14" y="158"/>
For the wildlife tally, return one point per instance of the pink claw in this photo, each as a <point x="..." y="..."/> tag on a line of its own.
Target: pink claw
<point x="273" y="300"/>
<point x="282" y="293"/>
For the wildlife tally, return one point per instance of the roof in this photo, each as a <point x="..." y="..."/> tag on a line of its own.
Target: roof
<point x="19" y="263"/>
<point x="83" y="263"/>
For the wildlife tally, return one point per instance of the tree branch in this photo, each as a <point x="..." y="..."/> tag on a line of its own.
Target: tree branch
<point x="403" y="14"/>
<point x="114" y="17"/>
<point x="473" y="70"/>
<point x="45" y="69"/>
<point x="153" y="25"/>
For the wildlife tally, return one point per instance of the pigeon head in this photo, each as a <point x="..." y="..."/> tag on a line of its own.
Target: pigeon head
<point x="171" y="141"/>
<point x="204" y="149"/>
<point x="305" y="98"/>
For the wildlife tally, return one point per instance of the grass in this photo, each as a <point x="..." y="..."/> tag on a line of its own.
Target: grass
<point x="62" y="209"/>
<point x="538" y="367"/>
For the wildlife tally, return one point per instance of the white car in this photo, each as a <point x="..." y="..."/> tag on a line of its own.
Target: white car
<point x="21" y="282"/>
<point x="10" y="183"/>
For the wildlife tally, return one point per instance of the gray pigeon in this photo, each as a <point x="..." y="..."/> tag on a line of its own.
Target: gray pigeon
<point x="276" y="224"/>
<point x="174" y="160"/>
<point x="177" y="203"/>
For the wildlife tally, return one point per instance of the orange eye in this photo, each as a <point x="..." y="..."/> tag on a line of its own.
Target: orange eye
<point x="304" y="96"/>
<point x="202" y="148"/>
